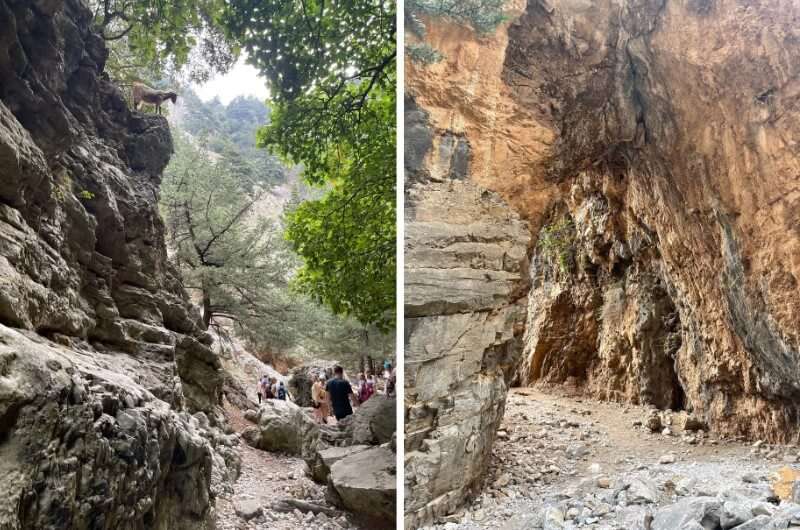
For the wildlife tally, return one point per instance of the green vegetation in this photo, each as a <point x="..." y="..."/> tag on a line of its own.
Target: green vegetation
<point x="332" y="73"/>
<point x="481" y="15"/>
<point x="423" y="53"/>
<point x="322" y="273"/>
<point x="235" y="259"/>
<point x="557" y="243"/>
<point x="149" y="39"/>
<point x="225" y="230"/>
<point x="230" y="131"/>
<point x="86" y="195"/>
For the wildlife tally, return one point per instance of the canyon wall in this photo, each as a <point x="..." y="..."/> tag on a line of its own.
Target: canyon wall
<point x="103" y="361"/>
<point x="651" y="146"/>
<point x="465" y="273"/>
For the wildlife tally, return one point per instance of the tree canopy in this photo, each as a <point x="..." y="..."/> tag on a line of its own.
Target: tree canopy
<point x="332" y="74"/>
<point x="222" y="205"/>
<point x="150" y="38"/>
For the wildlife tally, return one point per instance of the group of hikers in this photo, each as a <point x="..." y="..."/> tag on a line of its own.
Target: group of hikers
<point x="334" y="396"/>
<point x="271" y="388"/>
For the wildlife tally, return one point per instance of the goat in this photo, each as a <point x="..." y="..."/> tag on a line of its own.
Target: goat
<point x="145" y="94"/>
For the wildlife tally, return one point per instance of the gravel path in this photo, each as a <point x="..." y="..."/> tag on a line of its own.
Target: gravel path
<point x="562" y="463"/>
<point x="265" y="479"/>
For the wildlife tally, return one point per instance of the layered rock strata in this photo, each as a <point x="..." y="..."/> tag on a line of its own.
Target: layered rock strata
<point x="465" y="255"/>
<point x="101" y="355"/>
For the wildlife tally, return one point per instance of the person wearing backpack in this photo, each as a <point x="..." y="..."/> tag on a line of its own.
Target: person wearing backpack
<point x="281" y="391"/>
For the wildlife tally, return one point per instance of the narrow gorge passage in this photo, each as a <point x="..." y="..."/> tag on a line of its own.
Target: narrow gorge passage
<point x="265" y="480"/>
<point x="569" y="462"/>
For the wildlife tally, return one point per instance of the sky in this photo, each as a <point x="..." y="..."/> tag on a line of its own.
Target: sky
<point x="242" y="80"/>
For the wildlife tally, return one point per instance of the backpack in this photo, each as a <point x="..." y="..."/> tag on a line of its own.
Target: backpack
<point x="281" y="392"/>
<point x="268" y="392"/>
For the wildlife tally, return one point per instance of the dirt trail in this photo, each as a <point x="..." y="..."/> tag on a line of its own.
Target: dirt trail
<point x="619" y="440"/>
<point x="265" y="479"/>
<point x="602" y="469"/>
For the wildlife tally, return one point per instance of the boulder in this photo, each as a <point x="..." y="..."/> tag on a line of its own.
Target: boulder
<point x="703" y="510"/>
<point x="693" y="423"/>
<point x="374" y="422"/>
<point x="735" y="513"/>
<point x="283" y="426"/>
<point x="321" y="464"/>
<point x="248" y="508"/>
<point x="757" y="523"/>
<point x="365" y="483"/>
<point x="304" y="376"/>
<point x="641" y="491"/>
<point x="653" y="421"/>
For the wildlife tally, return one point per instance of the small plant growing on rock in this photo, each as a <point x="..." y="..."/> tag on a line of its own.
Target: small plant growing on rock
<point x="423" y="53"/>
<point x="484" y="16"/>
<point x="86" y="195"/>
<point x="557" y="242"/>
<point x="58" y="193"/>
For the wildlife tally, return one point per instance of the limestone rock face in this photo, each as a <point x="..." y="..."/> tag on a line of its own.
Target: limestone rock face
<point x="83" y="255"/>
<point x="465" y="275"/>
<point x="599" y="294"/>
<point x="674" y="159"/>
<point x="84" y="446"/>
<point x="101" y="353"/>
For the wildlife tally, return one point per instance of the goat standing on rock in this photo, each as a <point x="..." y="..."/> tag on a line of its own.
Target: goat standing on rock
<point x="145" y="94"/>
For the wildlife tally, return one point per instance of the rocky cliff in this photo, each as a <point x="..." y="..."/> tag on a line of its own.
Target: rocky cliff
<point x="465" y="253"/>
<point x="102" y="359"/>
<point x="651" y="146"/>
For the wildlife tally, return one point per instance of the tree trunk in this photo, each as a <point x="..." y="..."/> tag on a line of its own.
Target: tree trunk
<point x="206" y="307"/>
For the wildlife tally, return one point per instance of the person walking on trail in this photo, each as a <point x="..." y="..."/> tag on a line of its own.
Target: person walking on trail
<point x="274" y="388"/>
<point x="387" y="375"/>
<point x="281" y="394"/>
<point x="263" y="386"/>
<point x="391" y="382"/>
<point x="319" y="400"/>
<point x="365" y="389"/>
<point x="268" y="389"/>
<point x="341" y="394"/>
